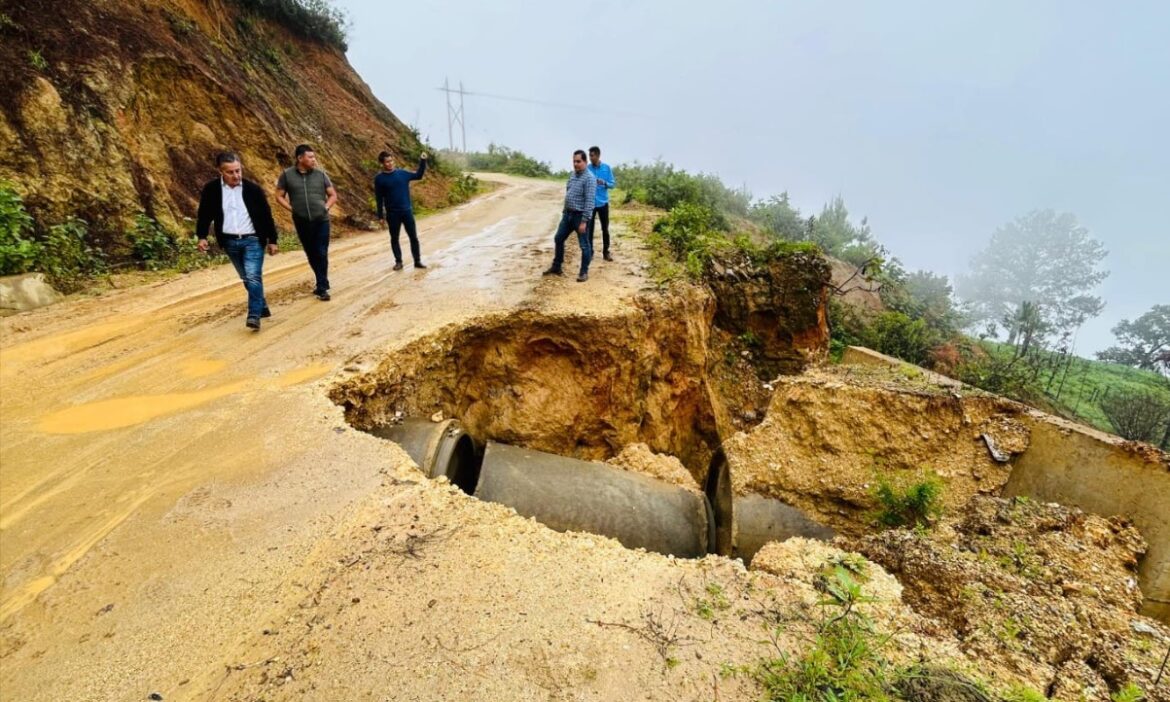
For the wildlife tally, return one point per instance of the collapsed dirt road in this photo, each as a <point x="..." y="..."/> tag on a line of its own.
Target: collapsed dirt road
<point x="165" y="471"/>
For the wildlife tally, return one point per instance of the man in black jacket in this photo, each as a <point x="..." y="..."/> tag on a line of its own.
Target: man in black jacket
<point x="244" y="228"/>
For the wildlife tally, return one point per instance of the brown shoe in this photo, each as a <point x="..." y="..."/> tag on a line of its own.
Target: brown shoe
<point x="398" y="266"/>
<point x="582" y="278"/>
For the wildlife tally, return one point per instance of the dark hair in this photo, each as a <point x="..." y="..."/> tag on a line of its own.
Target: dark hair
<point x="594" y="150"/>
<point x="580" y="153"/>
<point x="383" y="156"/>
<point x="225" y="157"/>
<point x="301" y="149"/>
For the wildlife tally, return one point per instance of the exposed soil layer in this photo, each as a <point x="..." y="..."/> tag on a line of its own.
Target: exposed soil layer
<point x="1046" y="592"/>
<point x="780" y="308"/>
<point x="830" y="434"/>
<point x="573" y="385"/>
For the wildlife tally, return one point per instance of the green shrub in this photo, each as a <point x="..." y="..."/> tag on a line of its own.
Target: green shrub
<point x="67" y="259"/>
<point x="151" y="244"/>
<point x="501" y="159"/>
<point x="917" y="505"/>
<point x="662" y="185"/>
<point x="689" y="232"/>
<point x="318" y="20"/>
<point x="18" y="251"/>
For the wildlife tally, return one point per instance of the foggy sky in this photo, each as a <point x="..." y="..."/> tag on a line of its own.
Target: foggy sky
<point x="937" y="121"/>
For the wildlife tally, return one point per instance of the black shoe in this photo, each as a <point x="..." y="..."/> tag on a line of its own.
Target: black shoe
<point x="419" y="265"/>
<point x="553" y="271"/>
<point x="253" y="323"/>
<point x="607" y="257"/>
<point x="266" y="313"/>
<point x="323" y="296"/>
<point x="582" y="278"/>
<point x="398" y="266"/>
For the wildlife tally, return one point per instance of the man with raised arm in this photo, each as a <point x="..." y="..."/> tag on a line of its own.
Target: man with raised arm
<point x="392" y="199"/>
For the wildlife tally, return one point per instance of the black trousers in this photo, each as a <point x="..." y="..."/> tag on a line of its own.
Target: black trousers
<point x="396" y="220"/>
<point x="603" y="213"/>
<point x="314" y="238"/>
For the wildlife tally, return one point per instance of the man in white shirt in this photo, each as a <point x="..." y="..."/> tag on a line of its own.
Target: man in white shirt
<point x="244" y="228"/>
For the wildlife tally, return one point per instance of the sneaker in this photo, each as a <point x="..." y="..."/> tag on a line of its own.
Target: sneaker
<point x="323" y="296"/>
<point x="607" y="257"/>
<point x="553" y="271"/>
<point x="398" y="266"/>
<point x="266" y="313"/>
<point x="419" y="265"/>
<point x="253" y="323"/>
<point x="582" y="278"/>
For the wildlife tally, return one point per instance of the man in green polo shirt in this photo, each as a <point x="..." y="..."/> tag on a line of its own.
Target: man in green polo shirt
<point x="306" y="191"/>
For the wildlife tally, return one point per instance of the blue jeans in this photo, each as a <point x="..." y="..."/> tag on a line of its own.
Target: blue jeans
<point x="314" y="238"/>
<point x="247" y="255"/>
<point x="570" y="220"/>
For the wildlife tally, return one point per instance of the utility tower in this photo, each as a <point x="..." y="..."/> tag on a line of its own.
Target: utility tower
<point x="455" y="114"/>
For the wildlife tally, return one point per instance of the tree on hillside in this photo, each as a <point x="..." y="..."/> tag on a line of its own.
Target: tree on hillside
<point x="778" y="216"/>
<point x="1044" y="259"/>
<point x="1144" y="342"/>
<point x="839" y="237"/>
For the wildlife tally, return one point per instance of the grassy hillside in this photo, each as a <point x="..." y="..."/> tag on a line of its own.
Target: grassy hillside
<point x="1075" y="387"/>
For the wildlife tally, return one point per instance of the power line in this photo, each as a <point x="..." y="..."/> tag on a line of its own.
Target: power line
<point x="456" y="114"/>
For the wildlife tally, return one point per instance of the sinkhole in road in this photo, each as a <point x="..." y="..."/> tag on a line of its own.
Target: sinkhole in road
<point x="521" y="408"/>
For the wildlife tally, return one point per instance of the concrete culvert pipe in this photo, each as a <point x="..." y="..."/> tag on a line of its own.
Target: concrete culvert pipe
<point x="567" y="494"/>
<point x="439" y="449"/>
<point x="759" y="520"/>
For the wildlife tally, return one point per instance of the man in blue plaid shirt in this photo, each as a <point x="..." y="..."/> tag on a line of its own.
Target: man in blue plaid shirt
<point x="579" y="194"/>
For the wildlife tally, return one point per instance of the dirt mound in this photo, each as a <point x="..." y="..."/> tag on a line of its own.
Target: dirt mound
<point x="831" y="433"/>
<point x="1047" y="592"/>
<point x="639" y="458"/>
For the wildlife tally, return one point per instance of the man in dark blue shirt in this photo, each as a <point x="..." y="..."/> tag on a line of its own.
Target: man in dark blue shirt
<point x="392" y="195"/>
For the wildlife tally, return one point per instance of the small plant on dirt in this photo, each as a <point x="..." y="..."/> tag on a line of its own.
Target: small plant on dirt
<point x="715" y="601"/>
<point x="37" y="60"/>
<point x="750" y="340"/>
<point x="1011" y="632"/>
<point x="1129" y="693"/>
<point x="846" y="661"/>
<point x="1021" y="561"/>
<point x="1022" y="693"/>
<point x="151" y="243"/>
<point x="917" y="505"/>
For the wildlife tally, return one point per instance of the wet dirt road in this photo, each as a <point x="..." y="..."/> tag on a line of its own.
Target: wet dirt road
<point x="166" y="471"/>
